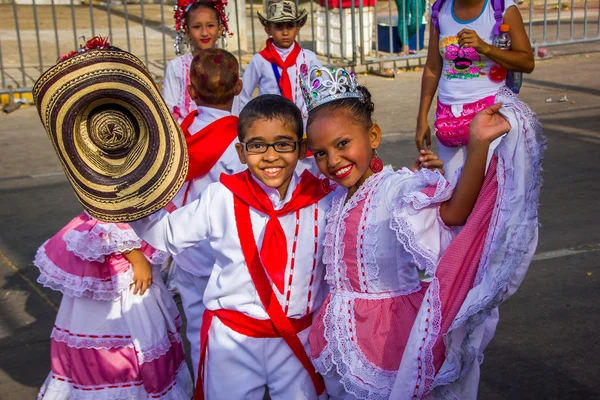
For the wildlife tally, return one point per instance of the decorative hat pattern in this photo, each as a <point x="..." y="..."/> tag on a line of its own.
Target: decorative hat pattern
<point x="122" y="151"/>
<point x="181" y="9"/>
<point x="321" y="85"/>
<point x="283" y="11"/>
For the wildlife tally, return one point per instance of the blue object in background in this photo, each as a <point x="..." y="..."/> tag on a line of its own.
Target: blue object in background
<point x="383" y="36"/>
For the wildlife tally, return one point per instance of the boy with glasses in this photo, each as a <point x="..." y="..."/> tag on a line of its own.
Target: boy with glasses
<point x="264" y="227"/>
<point x="211" y="134"/>
<point x="276" y="69"/>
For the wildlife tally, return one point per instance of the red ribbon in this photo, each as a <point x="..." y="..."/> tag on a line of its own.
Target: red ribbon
<point x="270" y="54"/>
<point x="273" y="252"/>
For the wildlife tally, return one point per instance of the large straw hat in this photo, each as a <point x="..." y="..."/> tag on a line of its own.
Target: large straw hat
<point x="283" y="11"/>
<point x="121" y="149"/>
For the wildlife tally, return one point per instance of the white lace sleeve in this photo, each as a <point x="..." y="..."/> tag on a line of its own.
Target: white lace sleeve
<point x="172" y="84"/>
<point x="102" y="240"/>
<point x="416" y="220"/>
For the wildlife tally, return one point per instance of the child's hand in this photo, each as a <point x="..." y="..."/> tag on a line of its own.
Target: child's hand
<point x="142" y="271"/>
<point x="488" y="125"/>
<point x="470" y="38"/>
<point x="427" y="159"/>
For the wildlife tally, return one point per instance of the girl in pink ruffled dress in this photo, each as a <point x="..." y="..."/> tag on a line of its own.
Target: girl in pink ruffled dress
<point x="410" y="295"/>
<point x="116" y="335"/>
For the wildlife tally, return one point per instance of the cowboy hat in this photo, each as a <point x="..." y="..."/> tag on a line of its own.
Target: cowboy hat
<point x="283" y="11"/>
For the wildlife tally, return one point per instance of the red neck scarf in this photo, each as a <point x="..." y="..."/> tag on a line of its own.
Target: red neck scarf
<point x="270" y="54"/>
<point x="273" y="252"/>
<point x="207" y="146"/>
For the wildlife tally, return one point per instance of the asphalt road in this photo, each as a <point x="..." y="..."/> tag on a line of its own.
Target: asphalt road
<point x="546" y="345"/>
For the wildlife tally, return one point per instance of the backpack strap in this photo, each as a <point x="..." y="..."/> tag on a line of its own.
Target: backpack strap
<point x="435" y="10"/>
<point x="498" y="6"/>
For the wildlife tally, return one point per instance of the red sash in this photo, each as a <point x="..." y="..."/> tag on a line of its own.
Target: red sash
<point x="270" y="54"/>
<point x="208" y="145"/>
<point x="241" y="323"/>
<point x="273" y="253"/>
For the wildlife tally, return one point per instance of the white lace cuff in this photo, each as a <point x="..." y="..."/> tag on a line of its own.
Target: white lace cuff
<point x="420" y="233"/>
<point x="57" y="279"/>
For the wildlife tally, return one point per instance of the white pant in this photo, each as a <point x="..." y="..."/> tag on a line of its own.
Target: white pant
<point x="191" y="289"/>
<point x="239" y="367"/>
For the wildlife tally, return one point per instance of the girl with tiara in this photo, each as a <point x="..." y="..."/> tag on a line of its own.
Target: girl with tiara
<point x="410" y="295"/>
<point x="204" y="22"/>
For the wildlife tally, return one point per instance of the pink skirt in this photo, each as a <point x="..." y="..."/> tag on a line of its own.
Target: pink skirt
<point x="452" y="130"/>
<point x="108" y="343"/>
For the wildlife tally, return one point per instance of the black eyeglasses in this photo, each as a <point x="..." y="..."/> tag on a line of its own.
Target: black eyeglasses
<point x="280" y="147"/>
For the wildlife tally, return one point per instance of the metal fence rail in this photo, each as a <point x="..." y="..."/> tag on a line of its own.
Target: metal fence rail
<point x="342" y="32"/>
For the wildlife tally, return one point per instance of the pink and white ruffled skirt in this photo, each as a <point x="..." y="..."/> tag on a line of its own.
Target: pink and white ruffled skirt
<point x="108" y="343"/>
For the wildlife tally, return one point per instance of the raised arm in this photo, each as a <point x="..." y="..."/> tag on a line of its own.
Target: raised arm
<point x="520" y="56"/>
<point x="429" y="85"/>
<point x="487" y="126"/>
<point x="178" y="230"/>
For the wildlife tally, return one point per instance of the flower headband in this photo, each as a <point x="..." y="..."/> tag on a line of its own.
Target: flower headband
<point x="181" y="9"/>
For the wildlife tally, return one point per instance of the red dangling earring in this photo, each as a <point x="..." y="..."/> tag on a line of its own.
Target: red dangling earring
<point x="376" y="164"/>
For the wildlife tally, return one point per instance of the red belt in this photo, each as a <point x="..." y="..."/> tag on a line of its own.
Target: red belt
<point x="278" y="325"/>
<point x="248" y="326"/>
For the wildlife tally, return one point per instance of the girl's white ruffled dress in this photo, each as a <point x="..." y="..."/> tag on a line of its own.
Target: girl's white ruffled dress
<point x="385" y="332"/>
<point x="108" y="343"/>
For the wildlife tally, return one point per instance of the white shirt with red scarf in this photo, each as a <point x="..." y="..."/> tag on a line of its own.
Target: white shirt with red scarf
<point x="211" y="218"/>
<point x="260" y="73"/>
<point x="231" y="288"/>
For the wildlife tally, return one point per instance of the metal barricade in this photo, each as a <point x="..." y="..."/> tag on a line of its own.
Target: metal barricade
<point x="355" y="33"/>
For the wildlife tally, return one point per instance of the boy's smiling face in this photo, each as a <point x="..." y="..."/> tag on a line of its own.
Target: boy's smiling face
<point x="274" y="169"/>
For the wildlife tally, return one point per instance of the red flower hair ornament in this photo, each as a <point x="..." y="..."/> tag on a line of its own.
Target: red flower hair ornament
<point x="95" y="43"/>
<point x="181" y="9"/>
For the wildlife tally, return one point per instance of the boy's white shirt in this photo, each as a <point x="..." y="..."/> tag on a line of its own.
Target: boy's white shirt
<point x="260" y="73"/>
<point x="211" y="218"/>
<point x="199" y="259"/>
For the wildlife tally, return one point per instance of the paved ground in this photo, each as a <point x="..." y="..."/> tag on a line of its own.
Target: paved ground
<point x="546" y="346"/>
<point x="58" y="30"/>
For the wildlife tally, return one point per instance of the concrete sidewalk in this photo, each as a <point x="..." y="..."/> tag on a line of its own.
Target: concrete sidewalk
<point x="545" y="347"/>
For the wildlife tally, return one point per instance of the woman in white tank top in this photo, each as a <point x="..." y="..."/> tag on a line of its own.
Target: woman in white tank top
<point x="462" y="69"/>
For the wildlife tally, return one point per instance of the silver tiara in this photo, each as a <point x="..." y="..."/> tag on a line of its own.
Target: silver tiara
<point x="321" y="85"/>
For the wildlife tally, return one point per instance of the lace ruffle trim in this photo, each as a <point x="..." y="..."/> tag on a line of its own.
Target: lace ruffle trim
<point x="335" y="229"/>
<point x="100" y="241"/>
<point x="514" y="247"/>
<point x="57" y="279"/>
<point x="64" y="387"/>
<point x="159" y="349"/>
<point x="359" y="376"/>
<point x="86" y="341"/>
<point x="412" y="203"/>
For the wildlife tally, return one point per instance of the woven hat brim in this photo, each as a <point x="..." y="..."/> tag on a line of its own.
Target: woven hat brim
<point x="122" y="151"/>
<point x="300" y="19"/>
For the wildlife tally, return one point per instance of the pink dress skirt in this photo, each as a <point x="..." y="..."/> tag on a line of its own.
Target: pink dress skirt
<point x="108" y="343"/>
